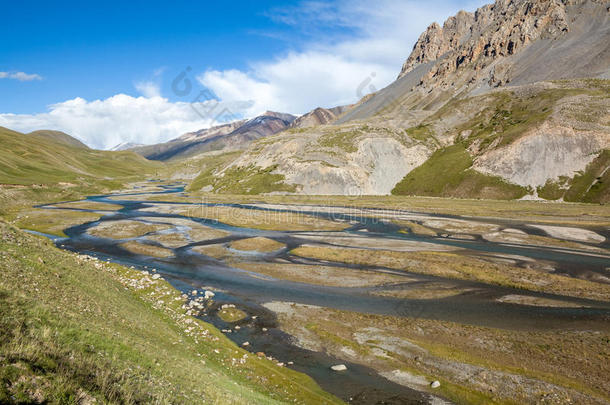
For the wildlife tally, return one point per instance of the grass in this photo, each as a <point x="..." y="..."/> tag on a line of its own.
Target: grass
<point x="448" y="173"/>
<point x="37" y="159"/>
<point x="124" y="229"/>
<point x="146" y="250"/>
<point x="74" y="329"/>
<point x="231" y="315"/>
<point x="592" y="185"/>
<point x="259" y="244"/>
<point x="250" y="180"/>
<point x="459" y="267"/>
<point x="266" y="219"/>
<point x="52" y="222"/>
<point x="576" y="214"/>
<point x="344" y="140"/>
<point x="209" y="166"/>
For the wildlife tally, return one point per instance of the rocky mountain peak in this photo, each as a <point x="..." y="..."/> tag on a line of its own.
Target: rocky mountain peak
<point x="476" y="40"/>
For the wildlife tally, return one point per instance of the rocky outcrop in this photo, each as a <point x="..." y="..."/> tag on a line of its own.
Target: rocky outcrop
<point x="473" y="41"/>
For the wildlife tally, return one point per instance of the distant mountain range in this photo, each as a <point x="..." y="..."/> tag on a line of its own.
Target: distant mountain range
<point x="232" y="136"/>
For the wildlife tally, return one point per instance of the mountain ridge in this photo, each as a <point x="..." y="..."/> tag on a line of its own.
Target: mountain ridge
<point x="490" y="85"/>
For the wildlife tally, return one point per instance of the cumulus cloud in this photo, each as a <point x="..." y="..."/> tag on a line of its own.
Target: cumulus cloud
<point x="365" y="53"/>
<point x="105" y="123"/>
<point x="21" y="76"/>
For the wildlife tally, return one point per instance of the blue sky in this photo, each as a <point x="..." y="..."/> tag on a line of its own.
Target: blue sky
<point x="104" y="73"/>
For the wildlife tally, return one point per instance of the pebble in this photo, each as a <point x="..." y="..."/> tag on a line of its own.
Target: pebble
<point x="245" y="344"/>
<point x="338" y="367"/>
<point x="208" y="294"/>
<point x="264" y="329"/>
<point x="435" y="384"/>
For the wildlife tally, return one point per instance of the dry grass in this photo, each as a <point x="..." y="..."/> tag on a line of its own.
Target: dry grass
<point x="462" y="268"/>
<point x="258" y="244"/>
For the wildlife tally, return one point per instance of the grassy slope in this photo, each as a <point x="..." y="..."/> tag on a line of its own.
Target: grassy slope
<point x="237" y="180"/>
<point x="39" y="159"/>
<point x="447" y="173"/>
<point x="70" y="330"/>
<point x="505" y="119"/>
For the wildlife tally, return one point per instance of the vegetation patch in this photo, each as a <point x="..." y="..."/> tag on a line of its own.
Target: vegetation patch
<point x="146" y="250"/>
<point x="459" y="267"/>
<point x="269" y="220"/>
<point x="251" y="180"/>
<point x="448" y="173"/>
<point x="52" y="221"/>
<point x="231" y="315"/>
<point x="592" y="185"/>
<point x="124" y="229"/>
<point x="259" y="244"/>
<point x="344" y="140"/>
<point x="321" y="275"/>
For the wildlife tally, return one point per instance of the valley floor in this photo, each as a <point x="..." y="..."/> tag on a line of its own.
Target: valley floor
<point x="500" y="302"/>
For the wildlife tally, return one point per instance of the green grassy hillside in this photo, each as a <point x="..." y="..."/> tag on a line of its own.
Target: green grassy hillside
<point x="59" y="137"/>
<point x="38" y="158"/>
<point x="75" y="330"/>
<point x="448" y="173"/>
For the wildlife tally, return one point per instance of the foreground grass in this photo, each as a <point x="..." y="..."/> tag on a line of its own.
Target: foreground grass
<point x="74" y="329"/>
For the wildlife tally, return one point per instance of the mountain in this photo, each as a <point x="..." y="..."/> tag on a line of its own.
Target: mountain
<point x="319" y="116"/>
<point x="126" y="146"/>
<point x="233" y="136"/>
<point x="507" y="102"/>
<point x="39" y="158"/>
<point x="60" y="137"/>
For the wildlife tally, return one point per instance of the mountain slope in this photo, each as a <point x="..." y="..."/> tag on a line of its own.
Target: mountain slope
<point x="227" y="137"/>
<point x="485" y="97"/>
<point x="319" y="116"/>
<point x="37" y="158"/>
<point x="77" y="330"/>
<point x="60" y="137"/>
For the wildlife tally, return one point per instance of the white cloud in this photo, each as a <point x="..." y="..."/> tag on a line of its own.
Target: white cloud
<point x="21" y="76"/>
<point x="105" y="123"/>
<point x="329" y="70"/>
<point x="148" y="89"/>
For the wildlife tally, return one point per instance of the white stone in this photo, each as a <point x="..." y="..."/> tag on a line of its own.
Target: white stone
<point x="435" y="384"/>
<point x="338" y="367"/>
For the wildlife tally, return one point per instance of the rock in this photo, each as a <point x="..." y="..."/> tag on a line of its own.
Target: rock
<point x="280" y="364"/>
<point x="260" y="354"/>
<point x="290" y="363"/>
<point x="194" y="292"/>
<point x="237" y="327"/>
<point x="208" y="294"/>
<point x="264" y="329"/>
<point x="338" y="367"/>
<point x="435" y="384"/>
<point x="245" y="344"/>
<point x="156" y="277"/>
